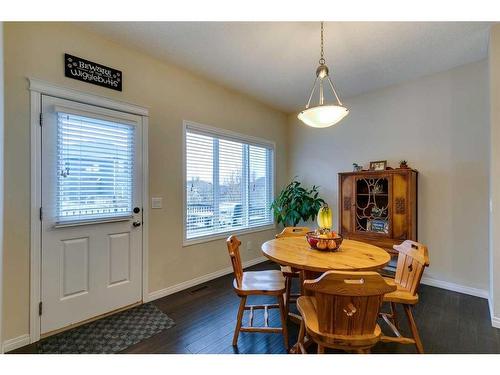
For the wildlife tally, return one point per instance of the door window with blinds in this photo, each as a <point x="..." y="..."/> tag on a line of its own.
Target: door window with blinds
<point x="228" y="183"/>
<point x="95" y="159"/>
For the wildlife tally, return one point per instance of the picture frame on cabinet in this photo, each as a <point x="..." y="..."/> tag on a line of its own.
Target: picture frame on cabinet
<point x="379" y="165"/>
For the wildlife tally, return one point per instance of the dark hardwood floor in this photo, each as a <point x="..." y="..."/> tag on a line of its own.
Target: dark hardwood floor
<point x="205" y="318"/>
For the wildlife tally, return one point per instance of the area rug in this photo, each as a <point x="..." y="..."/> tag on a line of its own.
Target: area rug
<point x="111" y="334"/>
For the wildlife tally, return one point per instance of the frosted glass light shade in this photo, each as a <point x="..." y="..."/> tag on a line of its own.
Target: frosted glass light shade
<point x="323" y="116"/>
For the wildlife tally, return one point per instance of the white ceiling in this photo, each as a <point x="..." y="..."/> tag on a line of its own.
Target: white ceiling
<point x="275" y="62"/>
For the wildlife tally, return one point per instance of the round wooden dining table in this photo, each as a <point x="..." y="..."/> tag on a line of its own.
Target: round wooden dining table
<point x="351" y="256"/>
<point x="296" y="253"/>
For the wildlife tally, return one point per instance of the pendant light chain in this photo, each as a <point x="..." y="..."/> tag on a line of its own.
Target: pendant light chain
<point x="322" y="59"/>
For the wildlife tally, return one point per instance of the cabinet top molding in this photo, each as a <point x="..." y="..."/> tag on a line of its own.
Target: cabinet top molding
<point x="387" y="171"/>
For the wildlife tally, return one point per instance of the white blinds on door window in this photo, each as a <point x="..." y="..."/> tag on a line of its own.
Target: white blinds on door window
<point x="95" y="166"/>
<point x="229" y="183"/>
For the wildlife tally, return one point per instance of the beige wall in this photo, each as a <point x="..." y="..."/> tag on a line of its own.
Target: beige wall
<point x="171" y="94"/>
<point x="439" y="124"/>
<point x="494" y="70"/>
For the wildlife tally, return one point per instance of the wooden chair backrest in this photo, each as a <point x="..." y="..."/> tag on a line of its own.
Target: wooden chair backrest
<point x="413" y="257"/>
<point x="348" y="303"/>
<point x="293" y="232"/>
<point x="233" y="247"/>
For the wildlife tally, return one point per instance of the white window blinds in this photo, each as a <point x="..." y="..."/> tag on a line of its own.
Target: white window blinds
<point x="229" y="183"/>
<point x="94" y="168"/>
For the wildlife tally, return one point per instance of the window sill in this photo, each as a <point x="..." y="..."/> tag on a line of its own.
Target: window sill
<point x="218" y="236"/>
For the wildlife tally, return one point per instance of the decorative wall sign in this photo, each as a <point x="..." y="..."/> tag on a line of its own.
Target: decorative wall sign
<point x="91" y="72"/>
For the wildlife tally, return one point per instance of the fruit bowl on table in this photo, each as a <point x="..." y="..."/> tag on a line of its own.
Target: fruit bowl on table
<point x="322" y="242"/>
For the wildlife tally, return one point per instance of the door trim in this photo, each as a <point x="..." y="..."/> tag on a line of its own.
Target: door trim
<point x="38" y="88"/>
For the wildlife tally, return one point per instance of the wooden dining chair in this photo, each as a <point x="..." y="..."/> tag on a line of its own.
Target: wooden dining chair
<point x="288" y="272"/>
<point x="413" y="257"/>
<point x="342" y="311"/>
<point x="269" y="283"/>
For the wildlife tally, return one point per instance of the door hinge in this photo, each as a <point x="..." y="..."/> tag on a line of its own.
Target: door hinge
<point x="41" y="213"/>
<point x="40" y="308"/>
<point x="41" y="119"/>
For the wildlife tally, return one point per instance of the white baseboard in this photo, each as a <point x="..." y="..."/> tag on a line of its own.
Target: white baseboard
<point x="199" y="280"/>
<point x="16" y="343"/>
<point x="495" y="320"/>
<point x="190" y="283"/>
<point x="455" y="287"/>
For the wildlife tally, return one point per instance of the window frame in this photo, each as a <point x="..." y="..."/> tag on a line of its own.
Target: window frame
<point x="231" y="136"/>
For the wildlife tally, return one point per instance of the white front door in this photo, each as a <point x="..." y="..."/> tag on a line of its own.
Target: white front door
<point x="91" y="212"/>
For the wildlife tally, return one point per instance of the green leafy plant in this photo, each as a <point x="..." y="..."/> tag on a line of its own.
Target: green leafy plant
<point x="296" y="203"/>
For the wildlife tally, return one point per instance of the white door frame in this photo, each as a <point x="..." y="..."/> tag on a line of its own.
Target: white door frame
<point x="37" y="89"/>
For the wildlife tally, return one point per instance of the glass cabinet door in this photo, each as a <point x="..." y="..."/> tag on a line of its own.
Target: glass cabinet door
<point x="372" y="205"/>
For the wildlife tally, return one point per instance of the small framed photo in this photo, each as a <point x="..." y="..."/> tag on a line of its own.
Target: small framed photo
<point x="378" y="165"/>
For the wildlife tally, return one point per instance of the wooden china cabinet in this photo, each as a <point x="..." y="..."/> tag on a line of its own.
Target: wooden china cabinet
<point x="379" y="207"/>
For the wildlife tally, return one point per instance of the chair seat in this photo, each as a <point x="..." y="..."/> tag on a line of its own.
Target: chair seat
<point x="289" y="271"/>
<point x="269" y="282"/>
<point x="308" y="309"/>
<point x="400" y="295"/>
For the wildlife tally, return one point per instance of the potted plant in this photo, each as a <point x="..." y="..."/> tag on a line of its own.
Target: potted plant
<point x="296" y="203"/>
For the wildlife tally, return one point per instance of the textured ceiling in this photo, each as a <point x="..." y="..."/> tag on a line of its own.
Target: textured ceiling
<point x="275" y="62"/>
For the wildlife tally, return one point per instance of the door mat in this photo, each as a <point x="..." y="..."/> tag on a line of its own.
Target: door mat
<point x="111" y="334"/>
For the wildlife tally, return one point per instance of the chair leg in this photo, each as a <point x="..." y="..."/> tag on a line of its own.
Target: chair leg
<point x="288" y="291"/>
<point x="321" y="349"/>
<point x="239" y="319"/>
<point x="300" y="339"/>
<point x="414" y="330"/>
<point x="394" y="315"/>
<point x="283" y="315"/>
<point x="301" y="281"/>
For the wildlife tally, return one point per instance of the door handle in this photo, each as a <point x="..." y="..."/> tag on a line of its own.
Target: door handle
<point x="136" y="224"/>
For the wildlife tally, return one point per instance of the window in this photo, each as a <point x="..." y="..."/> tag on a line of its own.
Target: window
<point x="94" y="168"/>
<point x="228" y="182"/>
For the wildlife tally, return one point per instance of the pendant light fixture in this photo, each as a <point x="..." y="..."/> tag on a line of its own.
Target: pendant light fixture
<point x="323" y="115"/>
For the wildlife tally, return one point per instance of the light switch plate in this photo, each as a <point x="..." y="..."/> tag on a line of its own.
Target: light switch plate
<point x="156" y="202"/>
